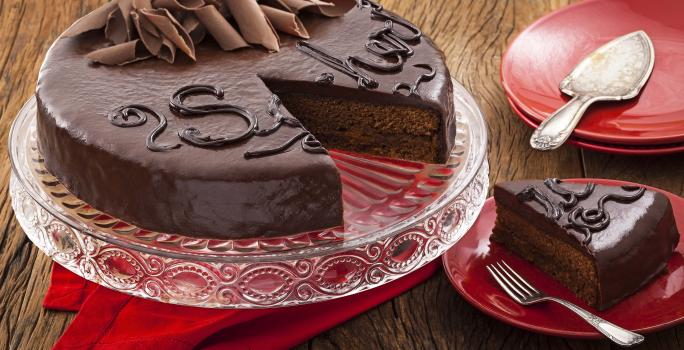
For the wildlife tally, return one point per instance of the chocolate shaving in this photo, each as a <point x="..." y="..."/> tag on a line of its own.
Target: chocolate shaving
<point x="194" y="27"/>
<point x="284" y="21"/>
<point x="219" y="28"/>
<point x="170" y="29"/>
<point x="120" y="54"/>
<point x="139" y="29"/>
<point x="254" y="26"/>
<point x="329" y="9"/>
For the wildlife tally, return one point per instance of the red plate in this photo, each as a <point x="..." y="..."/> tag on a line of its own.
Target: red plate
<point x="655" y="307"/>
<point x="548" y="50"/>
<point x="634" y="150"/>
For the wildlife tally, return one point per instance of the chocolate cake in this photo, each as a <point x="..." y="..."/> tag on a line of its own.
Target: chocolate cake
<point x="231" y="144"/>
<point x="602" y="242"/>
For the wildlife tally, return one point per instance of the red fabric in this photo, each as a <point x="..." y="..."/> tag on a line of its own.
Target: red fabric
<point x="111" y="320"/>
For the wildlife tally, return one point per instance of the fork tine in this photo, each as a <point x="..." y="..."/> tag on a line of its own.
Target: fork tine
<point x="504" y="285"/>
<point x="514" y="280"/>
<point x="520" y="277"/>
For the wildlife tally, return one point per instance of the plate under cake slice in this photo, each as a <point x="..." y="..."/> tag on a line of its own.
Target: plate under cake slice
<point x="602" y="242"/>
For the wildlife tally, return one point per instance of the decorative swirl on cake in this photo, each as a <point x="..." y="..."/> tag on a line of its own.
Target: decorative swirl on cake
<point x="273" y="110"/>
<point x="589" y="221"/>
<point x="531" y="193"/>
<point x="193" y="135"/>
<point x="570" y="198"/>
<point x="136" y="115"/>
<point x="586" y="221"/>
<point x="413" y="89"/>
<point x="344" y="66"/>
<point x="387" y="43"/>
<point x="309" y="142"/>
<point x="304" y="136"/>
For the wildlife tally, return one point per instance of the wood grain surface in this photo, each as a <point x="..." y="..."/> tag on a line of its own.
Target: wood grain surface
<point x="473" y="35"/>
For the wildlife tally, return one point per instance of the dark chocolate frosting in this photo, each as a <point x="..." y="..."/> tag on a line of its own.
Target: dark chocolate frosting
<point x="270" y="184"/>
<point x="628" y="231"/>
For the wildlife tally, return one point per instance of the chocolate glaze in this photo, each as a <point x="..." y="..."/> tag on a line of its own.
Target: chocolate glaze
<point x="627" y="253"/>
<point x="214" y="192"/>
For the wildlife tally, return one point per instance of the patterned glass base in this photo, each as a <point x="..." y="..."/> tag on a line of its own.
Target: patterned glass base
<point x="399" y="216"/>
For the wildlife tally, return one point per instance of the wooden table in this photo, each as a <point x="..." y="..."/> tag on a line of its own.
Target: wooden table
<point x="473" y="34"/>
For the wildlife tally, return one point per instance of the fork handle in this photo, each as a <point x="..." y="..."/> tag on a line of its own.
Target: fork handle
<point x="617" y="334"/>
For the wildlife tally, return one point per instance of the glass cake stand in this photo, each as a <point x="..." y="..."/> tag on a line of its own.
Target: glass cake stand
<point x="399" y="216"/>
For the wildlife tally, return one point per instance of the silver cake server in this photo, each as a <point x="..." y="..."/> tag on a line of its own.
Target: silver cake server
<point x="615" y="71"/>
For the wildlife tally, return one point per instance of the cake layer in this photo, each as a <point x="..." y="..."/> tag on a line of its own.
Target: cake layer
<point x="627" y="233"/>
<point x="237" y="189"/>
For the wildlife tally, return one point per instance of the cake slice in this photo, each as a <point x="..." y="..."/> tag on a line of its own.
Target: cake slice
<point x="602" y="242"/>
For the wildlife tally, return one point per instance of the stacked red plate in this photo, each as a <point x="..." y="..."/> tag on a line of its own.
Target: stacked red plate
<point x="542" y="55"/>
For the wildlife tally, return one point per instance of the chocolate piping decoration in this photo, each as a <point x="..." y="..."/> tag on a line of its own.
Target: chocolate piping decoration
<point x="271" y="151"/>
<point x="397" y="45"/>
<point x="193" y="135"/>
<point x="590" y="221"/>
<point x="120" y="117"/>
<point x="326" y="78"/>
<point x="571" y="198"/>
<point x="586" y="221"/>
<point x="273" y="110"/>
<point x="309" y="142"/>
<point x="413" y="89"/>
<point x="387" y="43"/>
<point x="532" y="193"/>
<point x="344" y="66"/>
<point x="377" y="11"/>
<point x="372" y="64"/>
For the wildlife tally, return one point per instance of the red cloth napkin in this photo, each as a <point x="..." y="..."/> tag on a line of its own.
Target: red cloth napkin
<point x="111" y="320"/>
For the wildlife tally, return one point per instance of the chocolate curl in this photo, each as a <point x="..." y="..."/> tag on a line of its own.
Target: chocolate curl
<point x="94" y="20"/>
<point x="142" y="4"/>
<point x="219" y="28"/>
<point x="185" y="5"/>
<point x="285" y="21"/>
<point x="170" y="29"/>
<point x="195" y="29"/>
<point x="152" y="39"/>
<point x="120" y="54"/>
<point x="278" y="4"/>
<point x="335" y="8"/>
<point x="254" y="26"/>
<point x="118" y="27"/>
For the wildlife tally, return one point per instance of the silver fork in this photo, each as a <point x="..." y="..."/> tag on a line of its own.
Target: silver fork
<point x="522" y="292"/>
